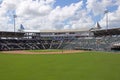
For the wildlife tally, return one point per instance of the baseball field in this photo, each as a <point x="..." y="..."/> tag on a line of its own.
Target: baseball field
<point x="50" y="66"/>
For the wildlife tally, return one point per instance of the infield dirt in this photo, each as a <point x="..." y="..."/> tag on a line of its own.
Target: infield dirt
<point x="29" y="52"/>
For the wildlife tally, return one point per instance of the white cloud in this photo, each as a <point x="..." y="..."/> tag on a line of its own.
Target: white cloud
<point x="41" y="15"/>
<point x="113" y="19"/>
<point x="64" y="12"/>
<point x="32" y="8"/>
<point x="99" y="6"/>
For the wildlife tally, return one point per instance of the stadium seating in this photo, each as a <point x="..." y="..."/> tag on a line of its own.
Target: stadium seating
<point x="70" y="40"/>
<point x="93" y="43"/>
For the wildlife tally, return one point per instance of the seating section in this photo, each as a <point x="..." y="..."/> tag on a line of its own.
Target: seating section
<point x="29" y="44"/>
<point x="95" y="40"/>
<point x="94" y="43"/>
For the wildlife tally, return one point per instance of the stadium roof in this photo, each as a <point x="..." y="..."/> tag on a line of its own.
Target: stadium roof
<point x="114" y="31"/>
<point x="74" y="30"/>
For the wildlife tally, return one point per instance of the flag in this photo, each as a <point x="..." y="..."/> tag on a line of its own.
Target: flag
<point x="14" y="16"/>
<point x="98" y="26"/>
<point x="106" y="11"/>
<point x="36" y="0"/>
<point x="21" y="27"/>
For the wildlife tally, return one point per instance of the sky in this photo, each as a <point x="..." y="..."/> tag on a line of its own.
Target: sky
<point x="58" y="14"/>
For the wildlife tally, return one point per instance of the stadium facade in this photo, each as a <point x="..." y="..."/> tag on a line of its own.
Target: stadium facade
<point x="93" y="39"/>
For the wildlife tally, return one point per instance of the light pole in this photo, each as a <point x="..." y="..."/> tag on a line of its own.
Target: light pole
<point x="106" y="12"/>
<point x="14" y="16"/>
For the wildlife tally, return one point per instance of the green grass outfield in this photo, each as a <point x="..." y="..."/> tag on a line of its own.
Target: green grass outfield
<point x="83" y="66"/>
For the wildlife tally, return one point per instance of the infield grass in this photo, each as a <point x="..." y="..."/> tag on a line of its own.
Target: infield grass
<point x="83" y="66"/>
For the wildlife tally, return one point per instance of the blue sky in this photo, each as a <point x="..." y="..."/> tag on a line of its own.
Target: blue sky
<point x="65" y="2"/>
<point x="60" y="15"/>
<point x="96" y="18"/>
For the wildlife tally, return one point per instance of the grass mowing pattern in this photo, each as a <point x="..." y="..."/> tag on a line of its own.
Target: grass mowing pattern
<point x="83" y="66"/>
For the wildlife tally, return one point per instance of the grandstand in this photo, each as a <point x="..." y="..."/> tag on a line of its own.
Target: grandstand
<point x="105" y="40"/>
<point x="102" y="40"/>
<point x="35" y="40"/>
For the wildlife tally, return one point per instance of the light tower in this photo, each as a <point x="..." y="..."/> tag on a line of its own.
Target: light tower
<point x="14" y="16"/>
<point x="106" y="12"/>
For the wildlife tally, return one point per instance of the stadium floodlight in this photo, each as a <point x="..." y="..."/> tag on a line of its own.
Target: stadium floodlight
<point x="14" y="16"/>
<point x="106" y="12"/>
